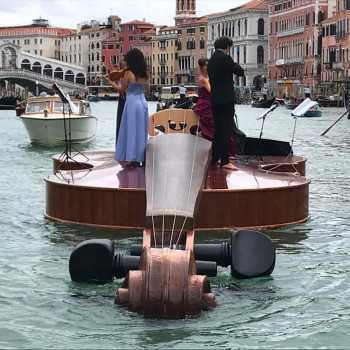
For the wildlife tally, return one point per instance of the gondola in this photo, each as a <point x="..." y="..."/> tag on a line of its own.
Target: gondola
<point x="263" y="104"/>
<point x="8" y="103"/>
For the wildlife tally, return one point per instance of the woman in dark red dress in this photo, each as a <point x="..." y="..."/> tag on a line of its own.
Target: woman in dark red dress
<point x="203" y="108"/>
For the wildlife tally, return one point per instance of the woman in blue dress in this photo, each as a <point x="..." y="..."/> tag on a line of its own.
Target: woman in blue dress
<point x="133" y="132"/>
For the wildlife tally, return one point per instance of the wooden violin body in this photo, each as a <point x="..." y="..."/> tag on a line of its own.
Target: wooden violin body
<point x="116" y="75"/>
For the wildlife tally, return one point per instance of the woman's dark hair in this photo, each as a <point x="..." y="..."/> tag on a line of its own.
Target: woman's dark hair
<point x="223" y="43"/>
<point x="136" y="63"/>
<point x="202" y="62"/>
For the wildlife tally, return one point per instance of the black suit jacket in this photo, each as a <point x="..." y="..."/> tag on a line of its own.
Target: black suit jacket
<point x="220" y="70"/>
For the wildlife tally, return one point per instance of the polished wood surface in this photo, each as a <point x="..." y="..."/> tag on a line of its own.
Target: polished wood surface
<point x="167" y="284"/>
<point x="109" y="196"/>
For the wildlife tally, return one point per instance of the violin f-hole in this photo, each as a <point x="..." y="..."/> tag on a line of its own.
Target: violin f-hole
<point x="172" y="125"/>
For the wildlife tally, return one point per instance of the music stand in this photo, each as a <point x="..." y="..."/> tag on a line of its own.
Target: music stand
<point x="66" y="156"/>
<point x="263" y="117"/>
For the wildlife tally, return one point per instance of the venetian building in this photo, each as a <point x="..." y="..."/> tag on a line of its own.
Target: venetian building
<point x="38" y="38"/>
<point x="85" y="48"/>
<point x="336" y="45"/>
<point x="185" y="11"/>
<point x="191" y="46"/>
<point x="247" y="26"/>
<point x="295" y="45"/>
<point x="164" y="54"/>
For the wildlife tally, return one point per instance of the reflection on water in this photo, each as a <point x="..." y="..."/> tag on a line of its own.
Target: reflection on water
<point x="303" y="304"/>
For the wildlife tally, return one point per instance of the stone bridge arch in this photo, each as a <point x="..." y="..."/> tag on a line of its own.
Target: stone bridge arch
<point x="8" y="56"/>
<point x="25" y="64"/>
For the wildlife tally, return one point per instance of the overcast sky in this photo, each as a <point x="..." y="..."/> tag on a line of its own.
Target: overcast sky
<point x="67" y="13"/>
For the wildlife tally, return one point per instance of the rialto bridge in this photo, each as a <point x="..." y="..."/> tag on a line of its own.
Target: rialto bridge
<point x="38" y="73"/>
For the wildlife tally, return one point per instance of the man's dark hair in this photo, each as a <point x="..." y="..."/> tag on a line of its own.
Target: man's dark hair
<point x="223" y="43"/>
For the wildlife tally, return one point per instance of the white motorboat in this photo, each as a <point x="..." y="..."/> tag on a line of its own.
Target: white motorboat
<point x="48" y="121"/>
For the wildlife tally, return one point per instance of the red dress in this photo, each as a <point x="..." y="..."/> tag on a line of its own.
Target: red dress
<point x="203" y="110"/>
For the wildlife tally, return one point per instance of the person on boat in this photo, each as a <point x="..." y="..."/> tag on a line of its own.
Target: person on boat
<point x="133" y="132"/>
<point x="203" y="108"/>
<point x="221" y="69"/>
<point x="122" y="97"/>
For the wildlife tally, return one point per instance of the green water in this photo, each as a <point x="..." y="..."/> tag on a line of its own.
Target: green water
<point x="304" y="304"/>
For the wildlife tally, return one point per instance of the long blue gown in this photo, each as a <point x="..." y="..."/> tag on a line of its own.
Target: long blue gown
<point x="133" y="132"/>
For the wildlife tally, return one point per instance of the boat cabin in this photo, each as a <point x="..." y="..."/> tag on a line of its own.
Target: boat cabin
<point x="53" y="105"/>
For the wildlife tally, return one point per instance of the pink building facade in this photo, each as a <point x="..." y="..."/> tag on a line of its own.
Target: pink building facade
<point x="134" y="33"/>
<point x="111" y="49"/>
<point x="295" y="44"/>
<point x="336" y="44"/>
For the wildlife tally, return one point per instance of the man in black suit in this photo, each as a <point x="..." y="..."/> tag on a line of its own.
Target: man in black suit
<point x="220" y="70"/>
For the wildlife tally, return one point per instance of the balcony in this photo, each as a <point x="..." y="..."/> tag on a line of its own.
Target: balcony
<point x="294" y="60"/>
<point x="291" y="32"/>
<point x="338" y="66"/>
<point x="186" y="72"/>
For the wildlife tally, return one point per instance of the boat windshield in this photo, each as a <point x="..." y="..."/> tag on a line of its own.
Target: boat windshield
<point x="37" y="107"/>
<point x="58" y="107"/>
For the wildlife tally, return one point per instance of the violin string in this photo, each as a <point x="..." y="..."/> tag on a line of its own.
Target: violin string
<point x="166" y="175"/>
<point x="190" y="185"/>
<point x="175" y="216"/>
<point x="154" y="229"/>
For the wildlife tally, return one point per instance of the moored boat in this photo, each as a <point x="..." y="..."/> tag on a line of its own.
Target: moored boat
<point x="263" y="103"/>
<point x="314" y="112"/>
<point x="48" y="121"/>
<point x="93" y="98"/>
<point x="291" y="104"/>
<point x="8" y="103"/>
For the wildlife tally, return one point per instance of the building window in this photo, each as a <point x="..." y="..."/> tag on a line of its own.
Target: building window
<point x="260" y="55"/>
<point x="261" y="26"/>
<point x="202" y="44"/>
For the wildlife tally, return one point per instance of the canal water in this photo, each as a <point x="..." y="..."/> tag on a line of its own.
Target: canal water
<point x="304" y="304"/>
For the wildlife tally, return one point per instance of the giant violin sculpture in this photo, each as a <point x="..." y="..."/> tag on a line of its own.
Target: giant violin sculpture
<point x="174" y="196"/>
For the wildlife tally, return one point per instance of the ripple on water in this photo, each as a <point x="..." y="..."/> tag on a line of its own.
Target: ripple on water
<point x="303" y="305"/>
